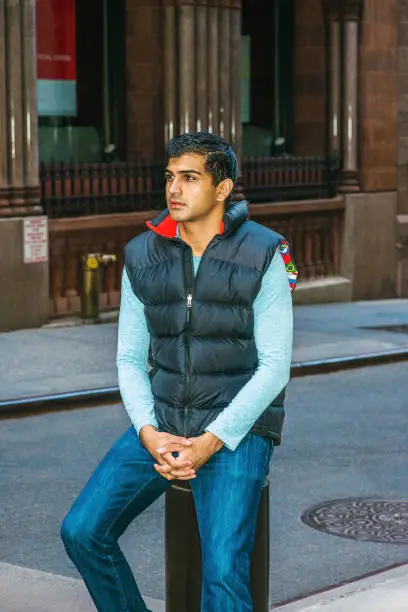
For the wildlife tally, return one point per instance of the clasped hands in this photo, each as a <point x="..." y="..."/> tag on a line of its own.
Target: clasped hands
<point x="192" y="452"/>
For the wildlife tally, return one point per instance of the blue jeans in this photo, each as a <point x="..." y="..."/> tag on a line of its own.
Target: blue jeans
<point x="227" y="493"/>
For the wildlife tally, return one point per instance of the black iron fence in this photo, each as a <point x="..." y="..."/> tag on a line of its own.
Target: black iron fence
<point x="81" y="189"/>
<point x="277" y="179"/>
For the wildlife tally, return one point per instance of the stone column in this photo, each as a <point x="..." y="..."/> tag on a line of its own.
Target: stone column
<point x="334" y="32"/>
<point x="225" y="71"/>
<point x="202" y="83"/>
<point x="24" y="274"/>
<point x="352" y="12"/>
<point x="188" y="73"/>
<point x="202" y="65"/>
<point x="213" y="68"/>
<point x="335" y="105"/>
<point x="235" y="29"/>
<point x="19" y="176"/>
<point x="236" y="125"/>
<point x="170" y="72"/>
<point x="14" y="93"/>
<point x="3" y="105"/>
<point x="30" y="128"/>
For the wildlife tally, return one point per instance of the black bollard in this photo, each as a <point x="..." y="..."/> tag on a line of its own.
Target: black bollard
<point x="183" y="552"/>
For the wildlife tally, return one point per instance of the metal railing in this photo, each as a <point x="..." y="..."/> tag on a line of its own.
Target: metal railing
<point x="277" y="179"/>
<point x="83" y="189"/>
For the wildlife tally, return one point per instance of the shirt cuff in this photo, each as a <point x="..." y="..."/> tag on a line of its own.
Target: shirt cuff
<point x="152" y="422"/>
<point x="231" y="442"/>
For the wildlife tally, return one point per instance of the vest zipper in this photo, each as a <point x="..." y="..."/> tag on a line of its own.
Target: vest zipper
<point x="189" y="304"/>
<point x="187" y="348"/>
<point x="190" y="280"/>
<point x="189" y="273"/>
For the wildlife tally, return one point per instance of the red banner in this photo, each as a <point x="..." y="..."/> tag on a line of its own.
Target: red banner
<point x="56" y="44"/>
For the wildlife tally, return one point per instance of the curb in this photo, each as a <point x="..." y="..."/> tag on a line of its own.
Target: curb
<point x="348" y="583"/>
<point x="25" y="406"/>
<point x="111" y="395"/>
<point x="384" y="589"/>
<point x="349" y="362"/>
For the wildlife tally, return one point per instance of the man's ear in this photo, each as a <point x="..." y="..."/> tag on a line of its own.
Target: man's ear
<point x="224" y="189"/>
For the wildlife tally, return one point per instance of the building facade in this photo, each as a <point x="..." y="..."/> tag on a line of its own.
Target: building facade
<point x="311" y="93"/>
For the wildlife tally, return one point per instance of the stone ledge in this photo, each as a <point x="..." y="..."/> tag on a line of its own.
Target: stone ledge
<point x="402" y="226"/>
<point x="107" y="316"/>
<point x="323" y="291"/>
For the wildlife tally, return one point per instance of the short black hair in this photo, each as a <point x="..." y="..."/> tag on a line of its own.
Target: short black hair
<point x="220" y="160"/>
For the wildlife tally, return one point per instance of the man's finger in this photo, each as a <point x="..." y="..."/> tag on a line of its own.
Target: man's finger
<point x="164" y="474"/>
<point x="175" y="473"/>
<point x="163" y="468"/>
<point x="170" y="448"/>
<point x="179" y="440"/>
<point x="172" y="477"/>
<point x="168" y="469"/>
<point x="183" y="475"/>
<point x="175" y="461"/>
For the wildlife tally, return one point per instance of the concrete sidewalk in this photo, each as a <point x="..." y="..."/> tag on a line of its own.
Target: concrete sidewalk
<point x="27" y="590"/>
<point x="385" y="592"/>
<point x="59" y="358"/>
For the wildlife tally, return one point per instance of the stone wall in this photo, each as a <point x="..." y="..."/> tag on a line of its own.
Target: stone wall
<point x="378" y="96"/>
<point x="368" y="252"/>
<point x="144" y="80"/>
<point x="402" y="167"/>
<point x="310" y="81"/>
<point x="402" y="106"/>
<point x="24" y="287"/>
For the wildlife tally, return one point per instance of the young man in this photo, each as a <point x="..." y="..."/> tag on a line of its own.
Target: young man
<point x="206" y="306"/>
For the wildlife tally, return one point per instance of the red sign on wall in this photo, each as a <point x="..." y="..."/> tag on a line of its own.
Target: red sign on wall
<point x="56" y="57"/>
<point x="56" y="45"/>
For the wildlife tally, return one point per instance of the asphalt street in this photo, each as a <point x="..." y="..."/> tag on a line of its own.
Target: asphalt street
<point x="345" y="436"/>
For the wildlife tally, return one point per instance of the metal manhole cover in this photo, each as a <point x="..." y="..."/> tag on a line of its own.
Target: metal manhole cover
<point x="364" y="519"/>
<point x="401" y="328"/>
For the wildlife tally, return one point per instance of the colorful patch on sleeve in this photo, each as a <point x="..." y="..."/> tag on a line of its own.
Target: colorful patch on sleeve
<point x="289" y="264"/>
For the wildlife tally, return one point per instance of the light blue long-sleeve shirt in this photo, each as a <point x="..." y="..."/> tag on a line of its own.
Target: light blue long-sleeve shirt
<point x="273" y="332"/>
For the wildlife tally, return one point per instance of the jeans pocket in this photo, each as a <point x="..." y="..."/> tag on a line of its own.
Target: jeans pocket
<point x="263" y="447"/>
<point x="267" y="446"/>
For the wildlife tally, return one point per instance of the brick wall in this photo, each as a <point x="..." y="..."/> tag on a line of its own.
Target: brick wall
<point x="402" y="165"/>
<point x="378" y="96"/>
<point x="402" y="106"/>
<point x="310" y="82"/>
<point x="144" y="79"/>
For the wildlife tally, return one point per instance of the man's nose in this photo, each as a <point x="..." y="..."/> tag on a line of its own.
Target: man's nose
<point x="175" y="186"/>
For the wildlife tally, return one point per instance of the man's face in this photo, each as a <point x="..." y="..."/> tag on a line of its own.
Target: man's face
<point x="190" y="192"/>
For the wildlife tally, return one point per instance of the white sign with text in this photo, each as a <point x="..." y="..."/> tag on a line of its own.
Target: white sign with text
<point x="35" y="239"/>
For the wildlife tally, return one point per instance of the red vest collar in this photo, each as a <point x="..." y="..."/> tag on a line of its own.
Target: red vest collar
<point x="168" y="227"/>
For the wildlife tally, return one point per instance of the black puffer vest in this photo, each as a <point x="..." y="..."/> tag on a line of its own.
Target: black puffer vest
<point x="202" y="329"/>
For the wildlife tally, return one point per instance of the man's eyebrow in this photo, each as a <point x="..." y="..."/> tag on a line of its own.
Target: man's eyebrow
<point x="184" y="172"/>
